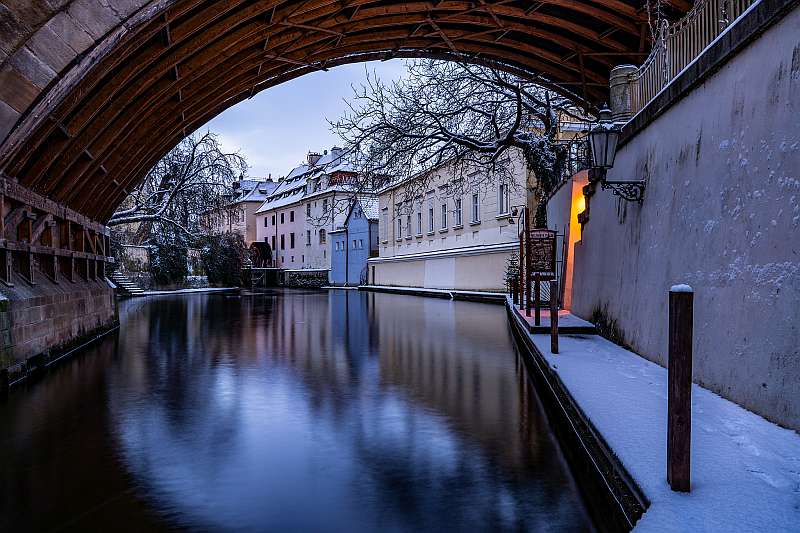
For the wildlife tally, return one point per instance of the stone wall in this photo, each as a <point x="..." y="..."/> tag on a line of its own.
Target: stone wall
<point x="721" y="213"/>
<point x="310" y="278"/>
<point x="40" y="38"/>
<point x="41" y="321"/>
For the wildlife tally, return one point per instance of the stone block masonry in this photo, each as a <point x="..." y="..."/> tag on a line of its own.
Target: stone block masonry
<point x="39" y="39"/>
<point x="40" y="322"/>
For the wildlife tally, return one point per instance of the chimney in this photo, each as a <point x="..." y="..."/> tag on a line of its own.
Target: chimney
<point x="313" y="157"/>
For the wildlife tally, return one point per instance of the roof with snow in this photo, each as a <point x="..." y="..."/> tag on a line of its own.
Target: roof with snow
<point x="295" y="186"/>
<point x="369" y="205"/>
<point x="251" y="190"/>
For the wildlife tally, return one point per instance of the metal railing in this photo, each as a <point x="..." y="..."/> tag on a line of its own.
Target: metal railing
<point x="680" y="43"/>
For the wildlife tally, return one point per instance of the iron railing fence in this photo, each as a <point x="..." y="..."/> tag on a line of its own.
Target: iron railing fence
<point x="578" y="156"/>
<point x="680" y="43"/>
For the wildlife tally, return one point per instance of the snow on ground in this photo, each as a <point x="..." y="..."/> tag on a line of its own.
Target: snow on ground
<point x="745" y="470"/>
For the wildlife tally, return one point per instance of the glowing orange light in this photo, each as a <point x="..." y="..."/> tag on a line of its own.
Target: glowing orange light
<point x="580" y="204"/>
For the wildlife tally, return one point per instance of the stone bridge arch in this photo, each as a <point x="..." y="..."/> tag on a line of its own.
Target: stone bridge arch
<point x="93" y="92"/>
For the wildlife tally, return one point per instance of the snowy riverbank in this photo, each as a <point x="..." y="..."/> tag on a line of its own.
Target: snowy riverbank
<point x="745" y="469"/>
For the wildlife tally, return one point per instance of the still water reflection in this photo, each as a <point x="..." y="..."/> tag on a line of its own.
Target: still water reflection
<point x="287" y="411"/>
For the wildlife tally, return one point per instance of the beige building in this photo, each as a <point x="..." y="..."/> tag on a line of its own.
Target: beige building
<point x="239" y="215"/>
<point x="451" y="234"/>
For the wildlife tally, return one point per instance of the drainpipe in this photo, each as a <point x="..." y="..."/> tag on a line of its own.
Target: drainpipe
<point x="346" y="256"/>
<point x="369" y="245"/>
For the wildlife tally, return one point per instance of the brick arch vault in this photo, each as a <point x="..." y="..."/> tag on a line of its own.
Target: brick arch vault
<point x="93" y="92"/>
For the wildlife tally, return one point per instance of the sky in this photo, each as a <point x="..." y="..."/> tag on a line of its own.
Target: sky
<point x="275" y="129"/>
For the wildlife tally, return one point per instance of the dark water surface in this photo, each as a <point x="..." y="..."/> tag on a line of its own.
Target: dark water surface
<point x="287" y="411"/>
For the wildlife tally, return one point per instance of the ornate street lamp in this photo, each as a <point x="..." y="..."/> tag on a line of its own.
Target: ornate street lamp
<point x="603" y="139"/>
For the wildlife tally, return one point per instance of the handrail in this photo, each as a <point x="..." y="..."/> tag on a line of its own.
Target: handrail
<point x="680" y="43"/>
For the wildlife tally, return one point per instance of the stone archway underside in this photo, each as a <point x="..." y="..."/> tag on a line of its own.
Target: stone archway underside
<point x="93" y="92"/>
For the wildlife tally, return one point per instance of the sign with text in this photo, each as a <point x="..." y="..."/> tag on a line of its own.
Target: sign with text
<point x="543" y="253"/>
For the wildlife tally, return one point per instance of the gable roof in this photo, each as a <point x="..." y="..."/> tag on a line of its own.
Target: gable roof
<point x="293" y="188"/>
<point x="369" y="206"/>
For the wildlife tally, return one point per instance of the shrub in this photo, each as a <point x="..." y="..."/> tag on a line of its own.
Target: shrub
<point x="168" y="257"/>
<point x="223" y="257"/>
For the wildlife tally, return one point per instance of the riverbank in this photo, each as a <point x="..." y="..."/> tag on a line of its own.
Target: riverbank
<point x="449" y="294"/>
<point x="190" y="291"/>
<point x="745" y="469"/>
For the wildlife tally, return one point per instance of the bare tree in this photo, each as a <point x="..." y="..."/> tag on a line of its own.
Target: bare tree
<point x="462" y="115"/>
<point x="191" y="181"/>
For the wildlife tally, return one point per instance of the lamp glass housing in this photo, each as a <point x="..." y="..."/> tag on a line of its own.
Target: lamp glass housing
<point x="603" y="139"/>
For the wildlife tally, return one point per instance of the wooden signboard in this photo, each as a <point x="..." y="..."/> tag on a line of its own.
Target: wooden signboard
<point x="543" y="253"/>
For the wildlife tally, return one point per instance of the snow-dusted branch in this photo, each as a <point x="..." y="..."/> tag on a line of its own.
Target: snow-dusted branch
<point x="466" y="115"/>
<point x="191" y="180"/>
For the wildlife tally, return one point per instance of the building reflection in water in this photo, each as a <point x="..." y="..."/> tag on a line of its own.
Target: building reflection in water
<point x="305" y="410"/>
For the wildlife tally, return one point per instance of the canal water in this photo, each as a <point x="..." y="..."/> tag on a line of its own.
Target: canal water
<point x="287" y="411"/>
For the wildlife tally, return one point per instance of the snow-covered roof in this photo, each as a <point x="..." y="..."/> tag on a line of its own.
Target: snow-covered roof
<point x="251" y="190"/>
<point x="369" y="205"/>
<point x="294" y="187"/>
<point x="260" y="192"/>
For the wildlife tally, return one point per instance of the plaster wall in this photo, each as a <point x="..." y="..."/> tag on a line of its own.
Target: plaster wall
<point x="721" y="213"/>
<point x="286" y="256"/>
<point x="468" y="272"/>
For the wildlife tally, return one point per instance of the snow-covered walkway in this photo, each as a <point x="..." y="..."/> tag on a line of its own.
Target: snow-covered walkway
<point x="745" y="470"/>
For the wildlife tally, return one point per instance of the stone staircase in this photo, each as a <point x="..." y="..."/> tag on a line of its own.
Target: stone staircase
<point x="125" y="286"/>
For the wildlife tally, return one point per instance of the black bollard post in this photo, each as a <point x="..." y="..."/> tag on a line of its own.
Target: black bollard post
<point x="537" y="299"/>
<point x="553" y="316"/>
<point x="679" y="399"/>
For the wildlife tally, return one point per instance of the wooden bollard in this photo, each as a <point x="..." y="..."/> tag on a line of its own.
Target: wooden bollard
<point x="679" y="398"/>
<point x="553" y="316"/>
<point x="537" y="299"/>
<point x="4" y="382"/>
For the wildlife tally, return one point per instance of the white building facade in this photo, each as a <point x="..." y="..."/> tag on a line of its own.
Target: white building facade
<point x="309" y="203"/>
<point x="451" y="236"/>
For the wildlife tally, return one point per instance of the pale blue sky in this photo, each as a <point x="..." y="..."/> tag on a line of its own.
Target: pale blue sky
<point x="275" y="129"/>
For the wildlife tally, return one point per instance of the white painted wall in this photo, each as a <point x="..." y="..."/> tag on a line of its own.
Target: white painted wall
<point x="722" y="213"/>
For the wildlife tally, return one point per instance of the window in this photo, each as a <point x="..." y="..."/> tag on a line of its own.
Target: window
<point x="355" y="244"/>
<point x="283" y="242"/>
<point x="360" y="244"/>
<point x="430" y="216"/>
<point x="303" y="258"/>
<point x="281" y="218"/>
<point x="322" y="236"/>
<point x="291" y="216"/>
<point x="419" y="223"/>
<point x="384" y="225"/>
<point x="408" y="226"/>
<point x="325" y="206"/>
<point x="308" y="237"/>
<point x="273" y="220"/>
<point x="265" y="222"/>
<point x="308" y="210"/>
<point x="273" y="242"/>
<point x="291" y="241"/>
<point x="444" y="216"/>
<point x="502" y="199"/>
<point x="457" y="213"/>
<point x="476" y="210"/>
<point x="399" y="228"/>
